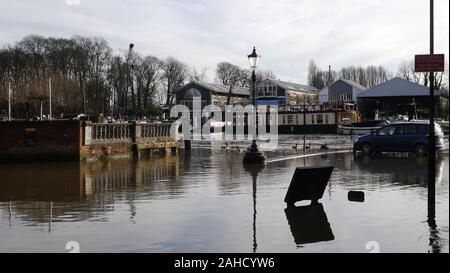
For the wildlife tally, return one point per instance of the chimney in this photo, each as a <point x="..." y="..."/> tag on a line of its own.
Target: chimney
<point x="329" y="74"/>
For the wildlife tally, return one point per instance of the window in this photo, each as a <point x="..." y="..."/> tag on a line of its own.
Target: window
<point x="407" y="129"/>
<point x="387" y="131"/>
<point x="422" y="129"/>
<point x="319" y="119"/>
<point x="312" y="119"/>
<point x="192" y="93"/>
<point x="290" y="119"/>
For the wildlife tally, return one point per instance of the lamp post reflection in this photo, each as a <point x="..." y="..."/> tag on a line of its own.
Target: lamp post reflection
<point x="254" y="170"/>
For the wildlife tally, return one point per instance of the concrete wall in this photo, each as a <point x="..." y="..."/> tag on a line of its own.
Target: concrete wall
<point x="40" y="140"/>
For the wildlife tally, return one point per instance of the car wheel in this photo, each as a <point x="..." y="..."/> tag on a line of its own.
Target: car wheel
<point x="366" y="148"/>
<point x="420" y="149"/>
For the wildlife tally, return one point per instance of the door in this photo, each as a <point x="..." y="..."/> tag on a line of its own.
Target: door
<point x="406" y="136"/>
<point x="383" y="140"/>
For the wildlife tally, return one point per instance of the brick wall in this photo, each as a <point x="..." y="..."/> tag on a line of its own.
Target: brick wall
<point x="36" y="140"/>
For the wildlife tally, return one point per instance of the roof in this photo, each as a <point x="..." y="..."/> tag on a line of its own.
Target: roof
<point x="396" y="87"/>
<point x="295" y="86"/>
<point x="220" y="88"/>
<point x="324" y="90"/>
<point x="354" y="84"/>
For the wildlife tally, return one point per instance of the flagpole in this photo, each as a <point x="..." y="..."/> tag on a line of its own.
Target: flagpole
<point x="9" y="101"/>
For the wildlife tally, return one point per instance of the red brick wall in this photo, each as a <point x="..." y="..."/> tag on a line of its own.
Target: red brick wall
<point x="54" y="140"/>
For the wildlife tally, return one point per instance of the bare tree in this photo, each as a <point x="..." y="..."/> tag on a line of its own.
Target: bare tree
<point x="315" y="76"/>
<point x="174" y="75"/>
<point x="148" y="77"/>
<point x="406" y="71"/>
<point x="198" y="76"/>
<point x="227" y="73"/>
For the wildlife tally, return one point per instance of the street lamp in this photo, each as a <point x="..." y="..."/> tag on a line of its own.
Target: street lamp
<point x="253" y="60"/>
<point x="253" y="155"/>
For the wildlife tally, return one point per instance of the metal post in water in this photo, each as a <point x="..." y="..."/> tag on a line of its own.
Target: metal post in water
<point x="304" y="123"/>
<point x="50" y="98"/>
<point x="40" y="100"/>
<point x="9" y="101"/>
<point x="432" y="139"/>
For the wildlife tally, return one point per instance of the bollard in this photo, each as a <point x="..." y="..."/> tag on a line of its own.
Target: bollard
<point x="187" y="145"/>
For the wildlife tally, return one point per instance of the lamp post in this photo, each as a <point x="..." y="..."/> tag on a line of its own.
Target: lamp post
<point x="130" y="48"/>
<point x="253" y="155"/>
<point x="432" y="139"/>
<point x="9" y="101"/>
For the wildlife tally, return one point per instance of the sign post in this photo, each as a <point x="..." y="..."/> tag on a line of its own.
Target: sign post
<point x="431" y="63"/>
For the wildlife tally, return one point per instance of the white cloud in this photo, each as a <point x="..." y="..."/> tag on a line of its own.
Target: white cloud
<point x="73" y="2"/>
<point x="287" y="33"/>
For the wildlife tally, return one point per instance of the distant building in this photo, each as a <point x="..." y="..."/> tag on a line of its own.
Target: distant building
<point x="340" y="93"/>
<point x="395" y="97"/>
<point x="273" y="92"/>
<point x="211" y="94"/>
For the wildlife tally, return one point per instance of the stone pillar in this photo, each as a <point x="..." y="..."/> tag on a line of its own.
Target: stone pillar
<point x="87" y="133"/>
<point x="136" y="132"/>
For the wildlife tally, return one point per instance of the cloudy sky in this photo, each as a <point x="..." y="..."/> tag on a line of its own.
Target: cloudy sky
<point x="201" y="33"/>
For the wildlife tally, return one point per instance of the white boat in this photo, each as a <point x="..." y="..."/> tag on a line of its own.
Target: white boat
<point x="361" y="128"/>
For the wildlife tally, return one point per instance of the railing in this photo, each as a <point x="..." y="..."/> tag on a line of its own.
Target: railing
<point x="155" y="130"/>
<point x="111" y="132"/>
<point x="95" y="133"/>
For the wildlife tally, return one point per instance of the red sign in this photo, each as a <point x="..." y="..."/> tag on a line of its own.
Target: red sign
<point x="429" y="63"/>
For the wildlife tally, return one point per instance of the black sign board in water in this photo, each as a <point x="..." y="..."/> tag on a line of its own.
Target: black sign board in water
<point x="308" y="184"/>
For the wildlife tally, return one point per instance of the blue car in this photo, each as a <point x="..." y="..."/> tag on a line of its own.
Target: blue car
<point x="399" y="137"/>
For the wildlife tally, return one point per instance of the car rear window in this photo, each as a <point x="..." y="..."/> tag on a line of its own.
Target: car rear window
<point x="423" y="129"/>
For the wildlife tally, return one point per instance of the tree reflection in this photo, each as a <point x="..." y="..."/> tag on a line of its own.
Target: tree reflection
<point x="50" y="192"/>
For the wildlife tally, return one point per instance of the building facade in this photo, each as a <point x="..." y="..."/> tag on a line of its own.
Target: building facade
<point x="340" y="94"/>
<point x="396" y="97"/>
<point x="211" y="94"/>
<point x="280" y="93"/>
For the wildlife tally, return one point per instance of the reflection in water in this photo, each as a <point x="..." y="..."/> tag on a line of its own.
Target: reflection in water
<point x="200" y="202"/>
<point x="51" y="186"/>
<point x="435" y="240"/>
<point x="408" y="171"/>
<point x="41" y="182"/>
<point x="254" y="170"/>
<point x="309" y="224"/>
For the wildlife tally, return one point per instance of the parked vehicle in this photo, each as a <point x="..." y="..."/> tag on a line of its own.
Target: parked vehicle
<point x="399" y="137"/>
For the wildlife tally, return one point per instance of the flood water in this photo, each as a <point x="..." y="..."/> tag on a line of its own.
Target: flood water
<point x="206" y="201"/>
